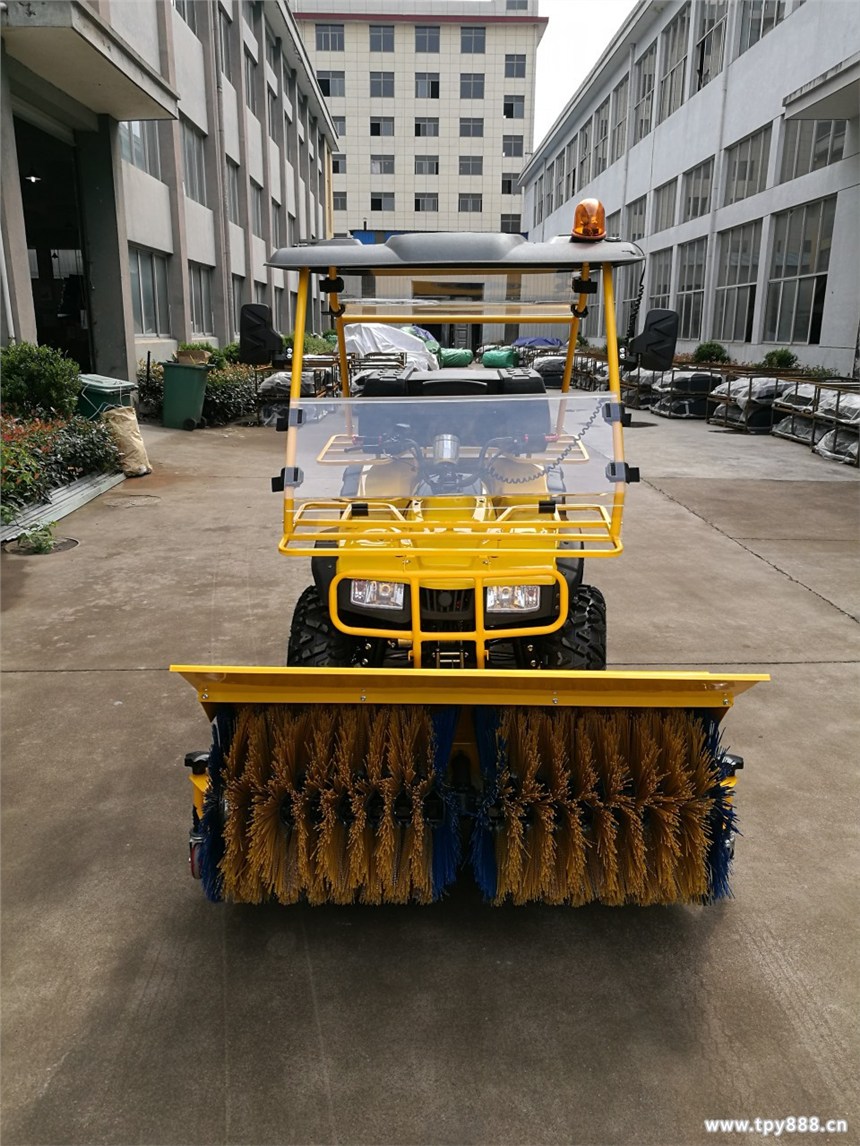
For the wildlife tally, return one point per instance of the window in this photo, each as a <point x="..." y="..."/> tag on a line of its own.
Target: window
<point x="710" y="42"/>
<point x="674" y="63"/>
<point x="384" y="125"/>
<point x="187" y="9"/>
<point x="382" y="165"/>
<point x="515" y="66"/>
<point x="618" y="131"/>
<point x="273" y="52"/>
<point x="471" y="85"/>
<point x="329" y="37"/>
<point x="644" y="92"/>
<point x="811" y="144"/>
<point x="274" y="113"/>
<point x="195" y="165"/>
<point x="339" y="200"/>
<point x="260" y="292"/>
<point x="802" y="239"/>
<point x="517" y="5"/>
<point x="233" y="200"/>
<point x="381" y="85"/>
<point x="509" y="183"/>
<point x="256" y="203"/>
<point x="139" y="145"/>
<point x="200" y="290"/>
<point x="559" y="178"/>
<point x="471" y="128"/>
<point x="547" y="190"/>
<point x="332" y="83"/>
<point x="382" y="37"/>
<point x="691" y="286"/>
<point x="425" y="201"/>
<point x="512" y="146"/>
<point x="277" y="231"/>
<point x="660" y="264"/>
<point x="538" y="200"/>
<point x="469" y="202"/>
<point x="697" y="191"/>
<point x="473" y="41"/>
<point x="471" y="165"/>
<point x="248" y="12"/>
<point x="570" y="163"/>
<point x="601" y="138"/>
<point x="584" y="169"/>
<point x="338" y="163"/>
<point x="511" y="224"/>
<point x="149" y="291"/>
<point x="746" y="166"/>
<point x="251" y="83"/>
<point x="426" y="164"/>
<point x="339" y="122"/>
<point x="279" y="317"/>
<point x="425" y="126"/>
<point x="382" y="200"/>
<point x="664" y="205"/>
<point x="427" y="38"/>
<point x="237" y="290"/>
<point x="636" y="220"/>
<point x="734" y="297"/>
<point x="758" y="17"/>
<point x="426" y="85"/>
<point x="514" y="107"/>
<point x="224" y="26"/>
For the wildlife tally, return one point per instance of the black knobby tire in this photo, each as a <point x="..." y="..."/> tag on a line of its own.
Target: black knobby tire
<point x="314" y="641"/>
<point x="581" y="641"/>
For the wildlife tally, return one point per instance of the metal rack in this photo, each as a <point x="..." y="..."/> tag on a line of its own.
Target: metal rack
<point x="822" y="415"/>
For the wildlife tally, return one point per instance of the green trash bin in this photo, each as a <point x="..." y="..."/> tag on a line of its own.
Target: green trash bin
<point x="99" y="393"/>
<point x="184" y="390"/>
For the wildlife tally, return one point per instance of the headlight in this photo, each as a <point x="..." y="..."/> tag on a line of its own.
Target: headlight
<point x="513" y="598"/>
<point x="377" y="594"/>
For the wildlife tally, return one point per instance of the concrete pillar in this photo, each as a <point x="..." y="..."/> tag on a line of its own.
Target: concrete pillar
<point x="106" y="243"/>
<point x="16" y="287"/>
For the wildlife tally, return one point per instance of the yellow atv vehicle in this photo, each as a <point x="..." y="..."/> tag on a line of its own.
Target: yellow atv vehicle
<point x="446" y="701"/>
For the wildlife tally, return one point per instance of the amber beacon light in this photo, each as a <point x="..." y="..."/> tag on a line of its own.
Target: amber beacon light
<point x="589" y="221"/>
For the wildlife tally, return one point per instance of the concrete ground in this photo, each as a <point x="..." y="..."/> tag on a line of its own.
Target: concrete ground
<point x="135" y="1012"/>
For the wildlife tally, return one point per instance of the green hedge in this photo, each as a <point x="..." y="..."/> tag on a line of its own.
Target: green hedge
<point x="230" y="392"/>
<point x="39" y="455"/>
<point x="38" y="381"/>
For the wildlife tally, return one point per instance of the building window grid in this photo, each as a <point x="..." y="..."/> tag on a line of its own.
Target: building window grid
<point x="200" y="291"/>
<point x="471" y="165"/>
<point x="660" y="267"/>
<point x="538" y="200"/>
<point x="509" y="182"/>
<point x="251" y="83"/>
<point x="382" y="85"/>
<point x="329" y="37"/>
<point x="570" y="164"/>
<point x="692" y="260"/>
<point x="149" y="295"/>
<point x="426" y="127"/>
<point x="237" y="290"/>
<point x="139" y="145"/>
<point x="384" y="125"/>
<point x="382" y="165"/>
<point x="470" y="128"/>
<point x="195" y="163"/>
<point x="797" y="285"/>
<point x="737" y="274"/>
<point x="559" y="179"/>
<point x="274" y="114"/>
<point x="601" y="139"/>
<point x="584" y="166"/>
<point x="426" y="201"/>
<point x="338" y="163"/>
<point x="187" y="9"/>
<point x="515" y="66"/>
<point x="549" y="187"/>
<point x="746" y="166"/>
<point x="470" y="203"/>
<point x="511" y="224"/>
<point x="664" y="205"/>
<point x="473" y="41"/>
<point x="381" y="38"/>
<point x="674" y="64"/>
<point x="426" y="85"/>
<point x="224" y="37"/>
<point x="618" y="133"/>
<point x="512" y="146"/>
<point x="234" y="209"/>
<point x="697" y="191"/>
<point x="339" y="122"/>
<point x="809" y="145"/>
<point x="256" y="203"/>
<point x="339" y="200"/>
<point x="382" y="200"/>
<point x="758" y="17"/>
<point x="427" y="38"/>
<point x="643" y="111"/>
<point x="636" y="212"/>
<point x="273" y="51"/>
<point x="514" y="107"/>
<point x="426" y="164"/>
<point x="332" y="84"/>
<point x="471" y="85"/>
<point x="711" y="42"/>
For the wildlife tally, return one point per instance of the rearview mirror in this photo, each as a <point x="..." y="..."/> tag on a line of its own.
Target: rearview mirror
<point x="656" y="343"/>
<point x="259" y="342"/>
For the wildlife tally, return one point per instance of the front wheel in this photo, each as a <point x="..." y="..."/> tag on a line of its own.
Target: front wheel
<point x="581" y="641"/>
<point x="314" y="641"/>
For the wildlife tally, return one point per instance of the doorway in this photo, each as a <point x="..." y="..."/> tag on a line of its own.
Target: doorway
<point x="58" y="274"/>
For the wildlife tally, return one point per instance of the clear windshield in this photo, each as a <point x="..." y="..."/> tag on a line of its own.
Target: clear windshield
<point x="434" y="447"/>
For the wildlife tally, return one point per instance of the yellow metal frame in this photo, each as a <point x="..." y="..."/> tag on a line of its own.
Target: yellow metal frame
<point x="513" y="544"/>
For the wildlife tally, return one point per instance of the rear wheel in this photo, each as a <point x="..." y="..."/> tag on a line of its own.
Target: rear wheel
<point x="314" y="641"/>
<point x="581" y="641"/>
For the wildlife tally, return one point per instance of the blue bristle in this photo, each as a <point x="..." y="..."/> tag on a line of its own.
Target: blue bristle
<point x="446" y="837"/>
<point x="212" y="828"/>
<point x="482" y="855"/>
<point x="482" y="846"/>
<point x="723" y="821"/>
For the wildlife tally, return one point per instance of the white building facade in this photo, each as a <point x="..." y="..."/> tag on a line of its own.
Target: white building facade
<point x="433" y="101"/>
<point x="723" y="138"/>
<point x="154" y="155"/>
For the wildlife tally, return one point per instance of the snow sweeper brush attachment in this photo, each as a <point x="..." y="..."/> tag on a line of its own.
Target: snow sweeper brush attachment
<point x="563" y="788"/>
